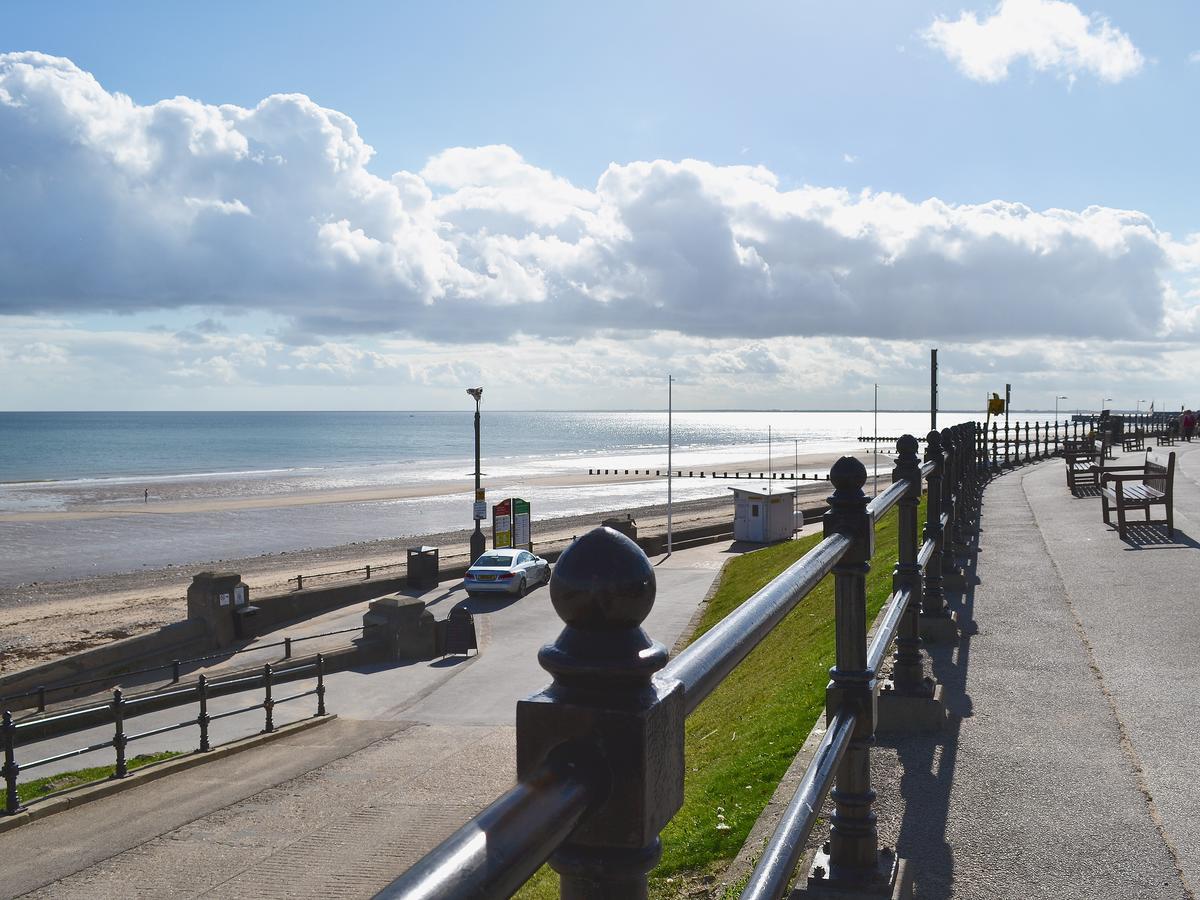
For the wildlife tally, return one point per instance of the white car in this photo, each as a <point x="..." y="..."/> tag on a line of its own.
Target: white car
<point x="506" y="571"/>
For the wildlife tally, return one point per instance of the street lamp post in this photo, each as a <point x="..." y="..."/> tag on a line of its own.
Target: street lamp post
<point x="1058" y="397"/>
<point x="478" y="543"/>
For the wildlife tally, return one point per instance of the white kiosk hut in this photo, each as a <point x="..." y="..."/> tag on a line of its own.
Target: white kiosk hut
<point x="762" y="516"/>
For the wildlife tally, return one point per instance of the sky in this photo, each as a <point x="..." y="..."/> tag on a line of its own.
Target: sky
<point x="374" y="205"/>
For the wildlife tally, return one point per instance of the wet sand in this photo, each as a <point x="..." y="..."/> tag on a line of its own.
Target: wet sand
<point x="46" y="620"/>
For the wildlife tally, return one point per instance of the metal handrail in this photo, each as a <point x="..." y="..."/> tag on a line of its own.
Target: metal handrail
<point x="889" y="622"/>
<point x="773" y="873"/>
<point x="498" y="850"/>
<point x="716" y="653"/>
<point x="174" y="666"/>
<point x="879" y="506"/>
<point x="120" y="709"/>
<point x="926" y="551"/>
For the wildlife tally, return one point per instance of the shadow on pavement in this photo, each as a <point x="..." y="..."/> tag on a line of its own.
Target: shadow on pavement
<point x="927" y="761"/>
<point x="1152" y="536"/>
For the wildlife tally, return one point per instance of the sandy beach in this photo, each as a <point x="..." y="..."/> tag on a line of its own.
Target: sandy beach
<point x="48" y="619"/>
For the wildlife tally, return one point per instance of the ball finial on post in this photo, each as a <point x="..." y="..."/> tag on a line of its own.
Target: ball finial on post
<point x="603" y="582"/>
<point x="848" y="474"/>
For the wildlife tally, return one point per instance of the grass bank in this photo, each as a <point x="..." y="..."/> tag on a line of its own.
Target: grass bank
<point x="742" y="739"/>
<point x="41" y="787"/>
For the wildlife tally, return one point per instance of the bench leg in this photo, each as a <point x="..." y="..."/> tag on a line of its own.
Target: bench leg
<point x="1170" y="523"/>
<point x="1120" y="520"/>
<point x="1104" y="509"/>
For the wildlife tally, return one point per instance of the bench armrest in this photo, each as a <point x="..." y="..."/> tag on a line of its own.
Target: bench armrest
<point x="1108" y="476"/>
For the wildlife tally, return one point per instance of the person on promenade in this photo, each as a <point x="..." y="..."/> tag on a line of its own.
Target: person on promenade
<point x="1189" y="425"/>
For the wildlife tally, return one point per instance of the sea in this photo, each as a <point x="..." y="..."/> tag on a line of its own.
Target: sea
<point x="114" y="466"/>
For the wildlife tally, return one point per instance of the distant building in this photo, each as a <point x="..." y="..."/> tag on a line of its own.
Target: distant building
<point x="763" y="515"/>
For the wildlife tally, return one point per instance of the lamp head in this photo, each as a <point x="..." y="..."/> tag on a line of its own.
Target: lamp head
<point x="477" y="393"/>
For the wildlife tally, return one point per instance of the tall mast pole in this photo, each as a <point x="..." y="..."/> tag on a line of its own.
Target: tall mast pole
<point x="933" y="398"/>
<point x="875" y="487"/>
<point x="670" y="441"/>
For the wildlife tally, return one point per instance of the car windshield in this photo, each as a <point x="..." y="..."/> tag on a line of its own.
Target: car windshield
<point x="494" y="559"/>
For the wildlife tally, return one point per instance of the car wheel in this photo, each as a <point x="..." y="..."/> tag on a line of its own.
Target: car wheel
<point x="521" y="588"/>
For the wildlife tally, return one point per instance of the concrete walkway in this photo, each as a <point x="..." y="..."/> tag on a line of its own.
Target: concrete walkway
<point x="1066" y="768"/>
<point x="343" y="809"/>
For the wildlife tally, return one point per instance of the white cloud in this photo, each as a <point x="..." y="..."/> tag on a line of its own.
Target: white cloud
<point x="849" y="158"/>
<point x="111" y="206"/>
<point x="1052" y="35"/>
<point x="1194" y="56"/>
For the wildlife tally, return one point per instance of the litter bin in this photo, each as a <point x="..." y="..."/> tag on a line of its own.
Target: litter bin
<point x="422" y="567"/>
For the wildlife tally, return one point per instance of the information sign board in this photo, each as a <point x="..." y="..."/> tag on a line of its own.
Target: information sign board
<point x="520" y="517"/>
<point x="502" y="525"/>
<point x="480" y="510"/>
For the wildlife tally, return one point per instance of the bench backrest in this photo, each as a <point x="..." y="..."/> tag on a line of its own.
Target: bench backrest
<point x="1160" y="471"/>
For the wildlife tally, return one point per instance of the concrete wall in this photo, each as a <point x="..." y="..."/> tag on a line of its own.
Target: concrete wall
<point x="175" y="641"/>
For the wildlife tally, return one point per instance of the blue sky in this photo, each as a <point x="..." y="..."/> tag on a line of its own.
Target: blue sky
<point x="822" y="97"/>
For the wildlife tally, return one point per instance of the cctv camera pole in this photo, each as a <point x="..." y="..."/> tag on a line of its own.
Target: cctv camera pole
<point x="478" y="543"/>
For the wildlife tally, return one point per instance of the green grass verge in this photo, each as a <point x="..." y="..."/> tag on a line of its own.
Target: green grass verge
<point x="742" y="739"/>
<point x="40" y="787"/>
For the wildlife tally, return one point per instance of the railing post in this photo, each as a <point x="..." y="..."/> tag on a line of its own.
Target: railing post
<point x="202" y="720"/>
<point x="950" y="500"/>
<point x="853" y="860"/>
<point x="41" y="695"/>
<point x="996" y="446"/>
<point x="320" y="684"/>
<point x="119" y="740"/>
<point x="368" y="571"/>
<point x="268" y="703"/>
<point x="287" y="648"/>
<point x="12" y="803"/>
<point x="175" y="672"/>
<point x="607" y="718"/>
<point x="938" y="623"/>
<point x="911" y="700"/>
<point x="299" y="582"/>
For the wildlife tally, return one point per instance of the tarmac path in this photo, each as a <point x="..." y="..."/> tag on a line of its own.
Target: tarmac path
<point x="1066" y="768"/>
<point x="336" y="811"/>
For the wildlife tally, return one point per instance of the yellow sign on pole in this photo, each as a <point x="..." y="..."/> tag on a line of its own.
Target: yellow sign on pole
<point x="995" y="406"/>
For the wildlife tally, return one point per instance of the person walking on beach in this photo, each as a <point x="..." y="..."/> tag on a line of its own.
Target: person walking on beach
<point x="147" y="497"/>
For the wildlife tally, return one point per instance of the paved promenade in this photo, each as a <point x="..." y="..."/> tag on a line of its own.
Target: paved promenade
<point x="1067" y="767"/>
<point x="341" y="810"/>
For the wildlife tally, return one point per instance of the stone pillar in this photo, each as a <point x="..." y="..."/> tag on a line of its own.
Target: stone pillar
<point x="214" y="598"/>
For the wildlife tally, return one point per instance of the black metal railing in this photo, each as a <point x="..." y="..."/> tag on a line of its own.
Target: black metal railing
<point x="600" y="752"/>
<point x="175" y="667"/>
<point x="15" y="734"/>
<point x="366" y="571"/>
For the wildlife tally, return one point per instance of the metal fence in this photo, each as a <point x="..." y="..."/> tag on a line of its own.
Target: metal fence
<point x="364" y="570"/>
<point x="175" y="667"/>
<point x="600" y="751"/>
<point x="1011" y="443"/>
<point x="14" y="734"/>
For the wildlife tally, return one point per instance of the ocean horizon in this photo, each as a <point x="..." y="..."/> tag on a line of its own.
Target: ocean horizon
<point x="98" y="493"/>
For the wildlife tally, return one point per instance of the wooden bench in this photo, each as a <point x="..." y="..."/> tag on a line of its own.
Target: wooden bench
<point x="1085" y="463"/>
<point x="1166" y="439"/>
<point x="1127" y="488"/>
<point x="1132" y="442"/>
